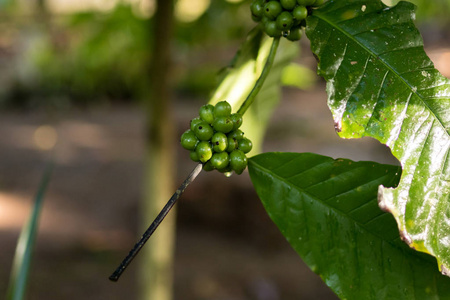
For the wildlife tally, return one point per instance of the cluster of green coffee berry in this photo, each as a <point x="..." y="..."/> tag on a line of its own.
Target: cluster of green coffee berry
<point x="216" y="140"/>
<point x="282" y="17"/>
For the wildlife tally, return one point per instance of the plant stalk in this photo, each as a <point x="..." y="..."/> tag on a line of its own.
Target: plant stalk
<point x="118" y="272"/>
<point x="151" y="229"/>
<point x="259" y="83"/>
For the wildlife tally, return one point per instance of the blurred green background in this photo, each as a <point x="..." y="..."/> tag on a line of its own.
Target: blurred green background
<point x="58" y="53"/>
<point x="75" y="77"/>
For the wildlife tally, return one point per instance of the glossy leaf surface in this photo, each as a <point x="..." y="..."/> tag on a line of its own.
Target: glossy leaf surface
<point x="381" y="84"/>
<point x="242" y="75"/>
<point x="327" y="210"/>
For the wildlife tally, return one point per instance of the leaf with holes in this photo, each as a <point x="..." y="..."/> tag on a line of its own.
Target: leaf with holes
<point x="381" y="84"/>
<point x="327" y="210"/>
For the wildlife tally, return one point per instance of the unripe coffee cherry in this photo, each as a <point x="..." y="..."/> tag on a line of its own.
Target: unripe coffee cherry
<point x="257" y="9"/>
<point x="220" y="160"/>
<point x="194" y="122"/>
<point x="237" y="134"/>
<point x="272" y="9"/>
<point x="295" y="34"/>
<point x="206" y="113"/>
<point x="194" y="156"/>
<point x="288" y="4"/>
<point x="189" y="140"/>
<point x="204" y="151"/>
<point x="203" y="131"/>
<point x="219" y="142"/>
<point x="208" y="166"/>
<point x="271" y="29"/>
<point x="232" y="144"/>
<point x="223" y="124"/>
<point x="300" y="13"/>
<point x="245" y="145"/>
<point x="285" y="21"/>
<point x="237" y="120"/>
<point x="222" y="109"/>
<point x="238" y="161"/>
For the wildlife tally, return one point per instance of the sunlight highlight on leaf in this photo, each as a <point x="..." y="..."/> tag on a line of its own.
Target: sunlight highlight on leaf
<point x="381" y="84"/>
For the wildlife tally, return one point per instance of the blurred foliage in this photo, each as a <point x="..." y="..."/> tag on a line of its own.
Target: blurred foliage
<point x="435" y="11"/>
<point x="101" y="56"/>
<point x="97" y="56"/>
<point x="301" y="77"/>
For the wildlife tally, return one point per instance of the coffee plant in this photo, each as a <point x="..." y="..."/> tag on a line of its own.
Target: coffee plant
<point x="371" y="231"/>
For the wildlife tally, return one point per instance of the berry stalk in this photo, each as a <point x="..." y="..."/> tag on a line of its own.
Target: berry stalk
<point x="127" y="260"/>
<point x="259" y="83"/>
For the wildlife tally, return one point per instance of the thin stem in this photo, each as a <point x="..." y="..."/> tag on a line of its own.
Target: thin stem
<point x="250" y="98"/>
<point x="259" y="83"/>
<point x="115" y="276"/>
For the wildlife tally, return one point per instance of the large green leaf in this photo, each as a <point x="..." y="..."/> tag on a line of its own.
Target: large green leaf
<point x="381" y="84"/>
<point x="242" y="75"/>
<point x="327" y="210"/>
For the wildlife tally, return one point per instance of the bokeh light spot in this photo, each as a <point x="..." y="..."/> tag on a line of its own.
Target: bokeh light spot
<point x="45" y="137"/>
<point x="190" y="10"/>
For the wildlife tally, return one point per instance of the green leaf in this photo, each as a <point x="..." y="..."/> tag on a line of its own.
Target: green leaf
<point x="242" y="75"/>
<point x="22" y="258"/>
<point x="381" y="84"/>
<point x="327" y="210"/>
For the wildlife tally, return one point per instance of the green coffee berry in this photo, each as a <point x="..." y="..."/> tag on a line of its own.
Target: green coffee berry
<point x="237" y="134"/>
<point x="189" y="140"/>
<point x="285" y="21"/>
<point x="318" y="2"/>
<point x="306" y="2"/>
<point x="220" y="160"/>
<point x="208" y="166"/>
<point x="288" y="4"/>
<point x="207" y="113"/>
<point x="300" y="13"/>
<point x="264" y="20"/>
<point x="222" y="109"/>
<point x="232" y="144"/>
<point x="245" y="145"/>
<point x="194" y="122"/>
<point x="272" y="9"/>
<point x="219" y="142"/>
<point x="227" y="169"/>
<point x="271" y="29"/>
<point x="256" y="19"/>
<point x="223" y="124"/>
<point x="194" y="156"/>
<point x="257" y="9"/>
<point x="295" y="34"/>
<point x="203" y="131"/>
<point x="237" y="120"/>
<point x="204" y="151"/>
<point x="238" y="161"/>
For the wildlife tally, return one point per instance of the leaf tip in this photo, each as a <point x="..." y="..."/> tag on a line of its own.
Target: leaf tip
<point x="445" y="271"/>
<point x="338" y="126"/>
<point x="404" y="235"/>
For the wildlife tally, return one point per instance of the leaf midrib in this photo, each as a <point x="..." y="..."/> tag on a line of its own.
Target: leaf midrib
<point x="320" y="16"/>
<point x="285" y="181"/>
